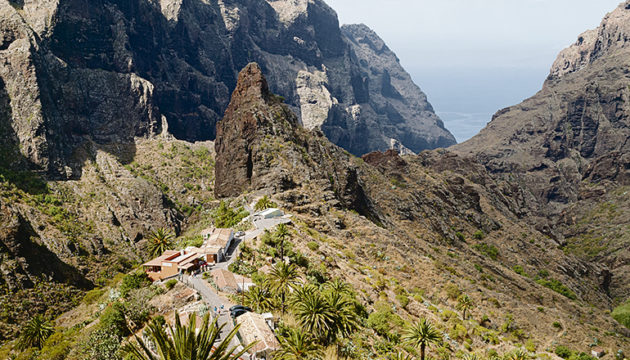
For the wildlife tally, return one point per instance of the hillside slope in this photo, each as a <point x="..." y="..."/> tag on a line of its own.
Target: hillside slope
<point x="567" y="147"/>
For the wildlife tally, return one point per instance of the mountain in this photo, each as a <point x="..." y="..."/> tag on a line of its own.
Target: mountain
<point x="528" y="219"/>
<point x="566" y="149"/>
<point x="107" y="71"/>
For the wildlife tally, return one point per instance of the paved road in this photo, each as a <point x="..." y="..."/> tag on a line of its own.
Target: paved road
<point x="212" y="299"/>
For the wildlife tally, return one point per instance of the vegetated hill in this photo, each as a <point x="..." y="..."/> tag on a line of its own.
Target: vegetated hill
<point x="418" y="224"/>
<point x="407" y="233"/>
<point x="109" y="71"/>
<point x="567" y="149"/>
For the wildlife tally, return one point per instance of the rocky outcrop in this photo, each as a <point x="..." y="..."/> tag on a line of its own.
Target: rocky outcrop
<point x="109" y="71"/>
<point x="567" y="146"/>
<point x="613" y="34"/>
<point x="261" y="147"/>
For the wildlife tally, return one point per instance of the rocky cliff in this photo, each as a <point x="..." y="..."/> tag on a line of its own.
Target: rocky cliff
<point x="105" y="72"/>
<point x="567" y="146"/>
<point x="414" y="217"/>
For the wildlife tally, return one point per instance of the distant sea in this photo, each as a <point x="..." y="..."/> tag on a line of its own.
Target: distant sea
<point x="466" y="99"/>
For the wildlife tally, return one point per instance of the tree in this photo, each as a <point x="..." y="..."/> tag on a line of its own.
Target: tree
<point x="345" y="319"/>
<point x="281" y="279"/>
<point x="160" y="241"/>
<point x="421" y="335"/>
<point x="36" y="331"/>
<point x="259" y="299"/>
<point x="282" y="232"/>
<point x="338" y="285"/>
<point x="298" y="345"/>
<point x="185" y="343"/>
<point x="464" y="303"/>
<point x="264" y="203"/>
<point x="314" y="314"/>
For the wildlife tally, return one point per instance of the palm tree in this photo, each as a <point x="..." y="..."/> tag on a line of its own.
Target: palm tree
<point x="281" y="233"/>
<point x="263" y="204"/>
<point x="35" y="333"/>
<point x="259" y="299"/>
<point x="338" y="285"/>
<point x="298" y="345"/>
<point x="282" y="278"/>
<point x="160" y="241"/>
<point x="186" y="343"/>
<point x="345" y="318"/>
<point x="464" y="303"/>
<point x="314" y="314"/>
<point x="422" y="334"/>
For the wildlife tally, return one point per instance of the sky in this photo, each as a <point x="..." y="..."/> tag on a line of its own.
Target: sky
<point x="475" y="57"/>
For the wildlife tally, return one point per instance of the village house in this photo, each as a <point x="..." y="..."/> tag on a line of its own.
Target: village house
<point x="216" y="243"/>
<point x="171" y="263"/>
<point x="231" y="283"/>
<point x="598" y="352"/>
<point x="270" y="213"/>
<point x="255" y="328"/>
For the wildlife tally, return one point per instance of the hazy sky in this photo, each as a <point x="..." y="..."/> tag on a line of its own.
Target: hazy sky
<point x="474" y="57"/>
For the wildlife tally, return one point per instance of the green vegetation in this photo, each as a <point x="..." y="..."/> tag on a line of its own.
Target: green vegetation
<point x="170" y="284"/>
<point x="558" y="287"/>
<point x="264" y="203"/>
<point x="186" y="343"/>
<point x="36" y="331"/>
<point x="421" y="335"/>
<point x="298" y="345"/>
<point x="133" y="281"/>
<point x="464" y="303"/>
<point x="489" y="250"/>
<point x="385" y="322"/>
<point x="566" y="353"/>
<point x="519" y="270"/>
<point x="160" y="241"/>
<point x="479" y="235"/>
<point x="622" y="314"/>
<point x="226" y="217"/>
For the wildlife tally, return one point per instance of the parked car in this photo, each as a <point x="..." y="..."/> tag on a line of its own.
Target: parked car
<point x="238" y="310"/>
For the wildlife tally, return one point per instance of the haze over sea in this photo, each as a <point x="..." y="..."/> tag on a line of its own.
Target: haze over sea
<point x="474" y="57"/>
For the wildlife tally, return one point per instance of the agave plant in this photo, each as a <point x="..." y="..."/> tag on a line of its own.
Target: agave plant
<point x="35" y="333"/>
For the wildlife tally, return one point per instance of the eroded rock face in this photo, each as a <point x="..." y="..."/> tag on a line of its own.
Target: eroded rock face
<point x="109" y="71"/>
<point x="260" y="146"/>
<point x="613" y="34"/>
<point x="566" y="148"/>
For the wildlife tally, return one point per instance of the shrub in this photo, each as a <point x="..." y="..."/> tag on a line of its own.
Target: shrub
<point x="519" y="270"/>
<point x="93" y="295"/>
<point x="557" y="325"/>
<point x="479" y="235"/>
<point x="112" y="320"/>
<point x="558" y="287"/>
<point x="622" y="314"/>
<point x="563" y="351"/>
<point x="460" y="236"/>
<point x="133" y="281"/>
<point x="403" y="300"/>
<point x="489" y="250"/>
<point x="226" y="217"/>
<point x="452" y="291"/>
<point x="385" y="322"/>
<point x="312" y="245"/>
<point x="170" y="284"/>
